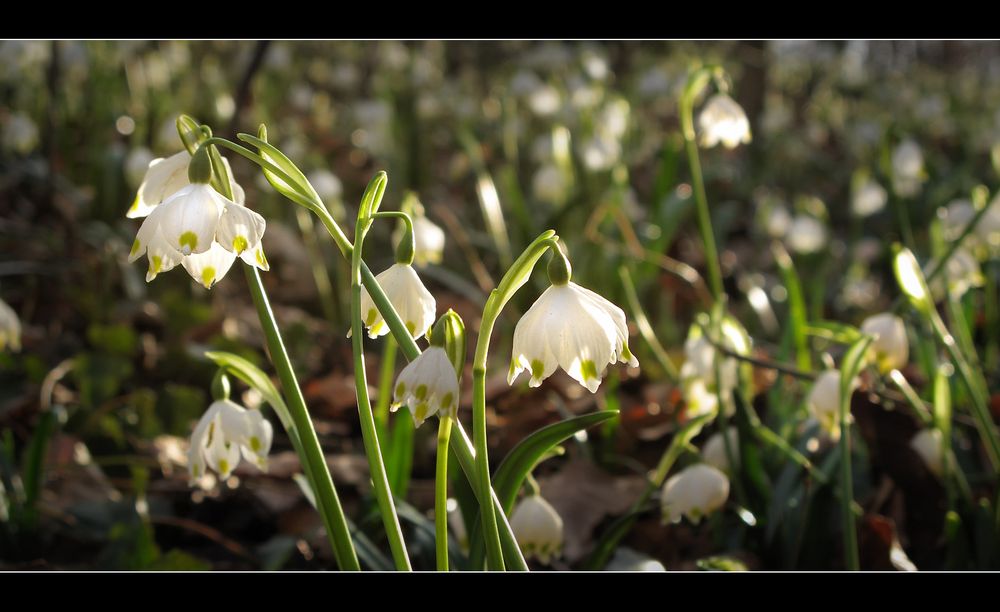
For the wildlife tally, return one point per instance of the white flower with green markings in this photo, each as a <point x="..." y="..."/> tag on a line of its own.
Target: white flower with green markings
<point x="573" y="328"/>
<point x="723" y="120"/>
<point x="714" y="451"/>
<point x="824" y="401"/>
<point x="164" y="178"/>
<point x="891" y="346"/>
<point x="413" y="302"/>
<point x="427" y="385"/>
<point x="695" y="492"/>
<point x="226" y="432"/>
<point x="199" y="228"/>
<point x="538" y="528"/>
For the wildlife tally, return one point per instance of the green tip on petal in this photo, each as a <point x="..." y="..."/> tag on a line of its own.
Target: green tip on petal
<point x="208" y="277"/>
<point x="255" y="444"/>
<point x="188" y="242"/>
<point x="421" y="392"/>
<point x="588" y="369"/>
<point x="240" y="244"/>
<point x="537" y="369"/>
<point x="136" y="245"/>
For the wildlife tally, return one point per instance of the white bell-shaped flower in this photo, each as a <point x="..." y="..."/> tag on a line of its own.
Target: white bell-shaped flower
<point x="10" y="328"/>
<point x="714" y="452"/>
<point x="199" y="228"/>
<point x="868" y="199"/>
<point x="928" y="443"/>
<point x="907" y="168"/>
<point x="407" y="294"/>
<point x="426" y="385"/>
<point x="961" y="273"/>
<point x="224" y="433"/>
<point x="538" y="528"/>
<point x="723" y="120"/>
<point x="824" y="401"/>
<point x="700" y="383"/>
<point x="164" y="178"/>
<point x="891" y="347"/>
<point x="572" y="328"/>
<point x="695" y="492"/>
<point x="806" y="235"/>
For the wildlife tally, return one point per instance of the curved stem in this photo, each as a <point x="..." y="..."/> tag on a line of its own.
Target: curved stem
<point x="704" y="216"/>
<point x="380" y="481"/>
<point x="332" y="512"/>
<point x="441" y="494"/>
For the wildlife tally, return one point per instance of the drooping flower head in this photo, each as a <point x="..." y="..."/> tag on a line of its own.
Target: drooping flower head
<point x="10" y="328"/>
<point x="570" y="327"/>
<point x="714" y="452"/>
<point x="907" y="168"/>
<point x="407" y="294"/>
<point x="538" y="528"/>
<point x="723" y="120"/>
<point x="928" y="444"/>
<point x="195" y="226"/>
<point x="225" y="432"/>
<point x="695" y="492"/>
<point x="891" y="346"/>
<point x="824" y="401"/>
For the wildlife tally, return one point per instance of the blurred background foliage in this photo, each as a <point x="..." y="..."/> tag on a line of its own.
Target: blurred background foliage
<point x="498" y="141"/>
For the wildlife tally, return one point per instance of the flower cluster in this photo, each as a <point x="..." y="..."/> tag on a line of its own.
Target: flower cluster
<point x="694" y="492"/>
<point x="701" y="385"/>
<point x="225" y="432"/>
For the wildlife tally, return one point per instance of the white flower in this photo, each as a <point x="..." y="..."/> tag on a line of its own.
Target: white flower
<point x="549" y="184"/>
<point x="695" y="492"/>
<point x="628" y="560"/>
<point x="572" y="328"/>
<point x="10" y="328"/>
<point x="427" y="384"/>
<point x="20" y="134"/>
<point x="199" y="223"/>
<point x="698" y="399"/>
<point x="538" y="528"/>
<point x="600" y="152"/>
<point x="164" y="178"/>
<point x="928" y="444"/>
<point x="326" y="184"/>
<point x="806" y="235"/>
<point x="868" y="199"/>
<point x="544" y="100"/>
<point x="723" y="120"/>
<point x="962" y="271"/>
<point x="226" y="431"/>
<point x="407" y="294"/>
<point x="699" y="383"/>
<point x="714" y="452"/>
<point x="136" y="165"/>
<point x="891" y="346"/>
<point x="907" y="168"/>
<point x="824" y="401"/>
<point x="428" y="241"/>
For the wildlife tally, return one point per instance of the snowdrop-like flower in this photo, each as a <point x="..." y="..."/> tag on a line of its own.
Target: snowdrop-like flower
<point x="226" y="431"/>
<point x="538" y="528"/>
<point x="891" y="346"/>
<point x="723" y="120"/>
<point x="572" y="328"/>
<point x="10" y="328"/>
<point x="428" y="384"/>
<point x="928" y="444"/>
<point x="714" y="452"/>
<point x="907" y="168"/>
<point x="962" y="271"/>
<point x="868" y="199"/>
<point x="699" y="383"/>
<point x="164" y="178"/>
<point x="413" y="302"/>
<point x="806" y="235"/>
<point x="824" y="401"/>
<point x="695" y="492"/>
<point x="428" y="241"/>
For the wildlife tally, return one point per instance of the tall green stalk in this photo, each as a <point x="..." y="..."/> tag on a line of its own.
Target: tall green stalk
<point x="441" y="494"/>
<point x="383" y="493"/>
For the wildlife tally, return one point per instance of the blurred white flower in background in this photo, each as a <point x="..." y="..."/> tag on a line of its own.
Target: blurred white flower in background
<point x="806" y="235"/>
<point x="545" y="100"/>
<point x="10" y="328"/>
<point x="714" y="451"/>
<point x="326" y="184"/>
<point x="538" y="528"/>
<point x="601" y="152"/>
<point x="824" y="401"/>
<point x="224" y="433"/>
<point x="136" y="164"/>
<point x="628" y="560"/>
<point x="962" y="272"/>
<point x="907" y="168"/>
<point x="928" y="444"/>
<point x="891" y="346"/>
<point x="868" y="199"/>
<point x="700" y="385"/>
<point x="20" y="134"/>
<point x="695" y="492"/>
<point x="549" y="184"/>
<point x="723" y="120"/>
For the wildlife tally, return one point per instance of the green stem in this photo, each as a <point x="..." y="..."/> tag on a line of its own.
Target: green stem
<point x="851" y="559"/>
<point x="333" y="515"/>
<point x="386" y="371"/>
<point x="383" y="494"/>
<point x="704" y="216"/>
<point x="441" y="493"/>
<point x="644" y="326"/>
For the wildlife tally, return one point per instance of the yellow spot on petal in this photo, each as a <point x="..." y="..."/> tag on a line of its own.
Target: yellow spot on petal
<point x="135" y="247"/>
<point x="446" y="400"/>
<point x="588" y="369"/>
<point x="157" y="263"/>
<point x="224" y="466"/>
<point x="255" y="444"/>
<point x="240" y="245"/>
<point x="261" y="259"/>
<point x="421" y="392"/>
<point x="411" y="327"/>
<point x="420" y="413"/>
<point x="188" y="242"/>
<point x="370" y="319"/>
<point x="400" y="389"/>
<point x="537" y="369"/>
<point x="208" y="277"/>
